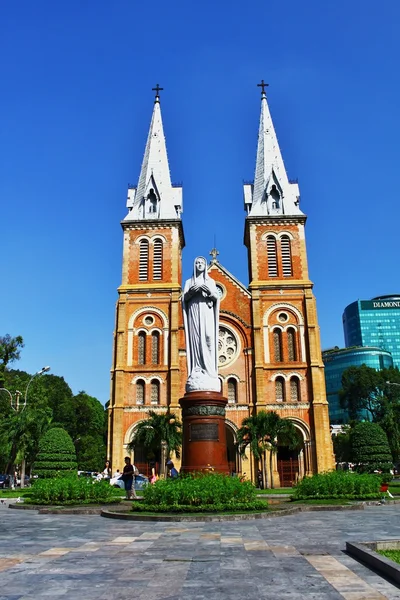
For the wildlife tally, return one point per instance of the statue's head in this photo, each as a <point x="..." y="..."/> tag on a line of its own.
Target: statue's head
<point x="200" y="264"/>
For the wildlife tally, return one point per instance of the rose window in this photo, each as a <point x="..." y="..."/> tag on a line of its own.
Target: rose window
<point x="227" y="347"/>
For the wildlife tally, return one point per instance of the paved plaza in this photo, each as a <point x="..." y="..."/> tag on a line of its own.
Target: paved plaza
<point x="71" y="557"/>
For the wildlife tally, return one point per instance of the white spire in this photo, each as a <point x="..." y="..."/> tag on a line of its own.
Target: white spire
<point x="271" y="194"/>
<point x="154" y="197"/>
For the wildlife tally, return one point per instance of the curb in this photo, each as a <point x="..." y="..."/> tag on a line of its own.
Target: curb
<point x="108" y="514"/>
<point x="59" y="510"/>
<point x="365" y="552"/>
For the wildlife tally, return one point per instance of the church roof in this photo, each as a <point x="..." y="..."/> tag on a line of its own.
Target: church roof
<point x="271" y="194"/>
<point x="216" y="264"/>
<point x="155" y="197"/>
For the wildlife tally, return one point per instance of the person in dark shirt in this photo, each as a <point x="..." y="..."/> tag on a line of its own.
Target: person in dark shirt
<point x="128" y="475"/>
<point x="172" y="472"/>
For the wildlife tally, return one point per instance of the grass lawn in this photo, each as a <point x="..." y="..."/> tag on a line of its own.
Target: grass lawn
<point x="392" y="554"/>
<point x="7" y="493"/>
<point x="276" y="491"/>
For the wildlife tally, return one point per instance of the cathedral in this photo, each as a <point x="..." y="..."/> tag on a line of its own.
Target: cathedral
<point x="269" y="354"/>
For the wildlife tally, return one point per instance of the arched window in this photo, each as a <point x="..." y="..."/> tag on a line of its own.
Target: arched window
<point x="277" y="334"/>
<point x="232" y="390"/>
<point x="155" y="391"/>
<point x="291" y="342"/>
<point x="141" y="348"/>
<point x="155" y="348"/>
<point x="140" y="391"/>
<point x="286" y="256"/>
<point x="157" y="259"/>
<point x="144" y="260"/>
<point x="294" y="389"/>
<point x="275" y="197"/>
<point x="152" y="202"/>
<point x="279" y="389"/>
<point x="271" y="253"/>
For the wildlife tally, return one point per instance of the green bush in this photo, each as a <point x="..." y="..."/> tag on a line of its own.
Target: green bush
<point x="71" y="490"/>
<point x="57" y="456"/>
<point x="256" y="505"/>
<point x="213" y="490"/>
<point x="370" y="449"/>
<point x="338" y="484"/>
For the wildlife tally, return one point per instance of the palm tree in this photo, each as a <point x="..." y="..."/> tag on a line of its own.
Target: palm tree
<point x="265" y="431"/>
<point x="158" y="430"/>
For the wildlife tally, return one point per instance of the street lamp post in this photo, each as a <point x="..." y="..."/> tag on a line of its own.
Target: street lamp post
<point x="19" y="405"/>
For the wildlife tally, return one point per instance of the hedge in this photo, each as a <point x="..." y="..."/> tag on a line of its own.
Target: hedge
<point x="57" y="456"/>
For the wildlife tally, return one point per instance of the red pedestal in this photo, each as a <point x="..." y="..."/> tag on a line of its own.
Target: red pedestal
<point x="204" y="438"/>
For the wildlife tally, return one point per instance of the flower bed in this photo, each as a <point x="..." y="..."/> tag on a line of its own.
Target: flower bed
<point x="338" y="484"/>
<point x="71" y="490"/>
<point x="211" y="492"/>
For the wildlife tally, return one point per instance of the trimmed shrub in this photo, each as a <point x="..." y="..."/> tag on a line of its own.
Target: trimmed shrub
<point x="370" y="449"/>
<point x="338" y="484"/>
<point x="57" y="456"/>
<point x="71" y="490"/>
<point x="257" y="505"/>
<point x="211" y="492"/>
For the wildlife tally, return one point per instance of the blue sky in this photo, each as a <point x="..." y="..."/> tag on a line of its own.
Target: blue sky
<point x="76" y="102"/>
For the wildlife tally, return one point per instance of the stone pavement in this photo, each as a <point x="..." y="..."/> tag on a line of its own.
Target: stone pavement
<point x="71" y="557"/>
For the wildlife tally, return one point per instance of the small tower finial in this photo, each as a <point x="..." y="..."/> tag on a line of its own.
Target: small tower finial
<point x="157" y="90"/>
<point x="263" y="85"/>
<point x="214" y="253"/>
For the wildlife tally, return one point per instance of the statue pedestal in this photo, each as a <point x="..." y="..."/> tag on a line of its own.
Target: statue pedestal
<point x="204" y="438"/>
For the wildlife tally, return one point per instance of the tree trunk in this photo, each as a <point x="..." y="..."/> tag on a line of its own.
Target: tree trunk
<point x="271" y="455"/>
<point x="22" y="473"/>
<point x="164" y="458"/>
<point x="264" y="469"/>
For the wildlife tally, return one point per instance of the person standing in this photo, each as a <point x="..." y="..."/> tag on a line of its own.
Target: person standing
<point x="128" y="477"/>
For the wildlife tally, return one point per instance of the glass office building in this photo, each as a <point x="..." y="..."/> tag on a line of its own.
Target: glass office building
<point x="374" y="322"/>
<point x="338" y="360"/>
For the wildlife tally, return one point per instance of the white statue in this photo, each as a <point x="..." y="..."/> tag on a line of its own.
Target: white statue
<point x="200" y="314"/>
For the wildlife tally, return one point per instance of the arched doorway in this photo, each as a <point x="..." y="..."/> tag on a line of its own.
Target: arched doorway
<point x="231" y="450"/>
<point x="144" y="460"/>
<point x="290" y="463"/>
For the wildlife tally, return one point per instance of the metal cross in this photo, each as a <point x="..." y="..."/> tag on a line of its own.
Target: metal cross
<point x="262" y="85"/>
<point x="157" y="90"/>
<point x="214" y="253"/>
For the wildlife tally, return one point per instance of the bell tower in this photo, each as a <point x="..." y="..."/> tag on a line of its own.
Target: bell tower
<point x="145" y="368"/>
<point x="288" y="372"/>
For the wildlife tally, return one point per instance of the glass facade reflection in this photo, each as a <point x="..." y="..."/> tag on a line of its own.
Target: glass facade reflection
<point x="374" y="322"/>
<point x="338" y="360"/>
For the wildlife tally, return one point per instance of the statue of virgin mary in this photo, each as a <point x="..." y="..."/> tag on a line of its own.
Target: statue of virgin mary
<point x="200" y="313"/>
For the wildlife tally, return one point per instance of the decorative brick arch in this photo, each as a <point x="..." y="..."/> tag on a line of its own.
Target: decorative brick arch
<point x="277" y="236"/>
<point x="165" y="331"/>
<point x="267" y="327"/>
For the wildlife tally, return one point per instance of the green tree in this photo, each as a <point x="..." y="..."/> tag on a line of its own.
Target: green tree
<point x="264" y="432"/>
<point x="341" y="445"/>
<point x="56" y="455"/>
<point x="370" y="449"/>
<point x="361" y="390"/>
<point x="158" y="429"/>
<point x="10" y="350"/>
<point x="89" y="432"/>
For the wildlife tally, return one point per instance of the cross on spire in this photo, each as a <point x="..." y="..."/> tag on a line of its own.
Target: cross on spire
<point x="263" y="85"/>
<point x="157" y="90"/>
<point x="214" y="253"/>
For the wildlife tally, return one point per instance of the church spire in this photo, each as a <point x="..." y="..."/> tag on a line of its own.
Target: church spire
<point x="154" y="197"/>
<point x="271" y="193"/>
